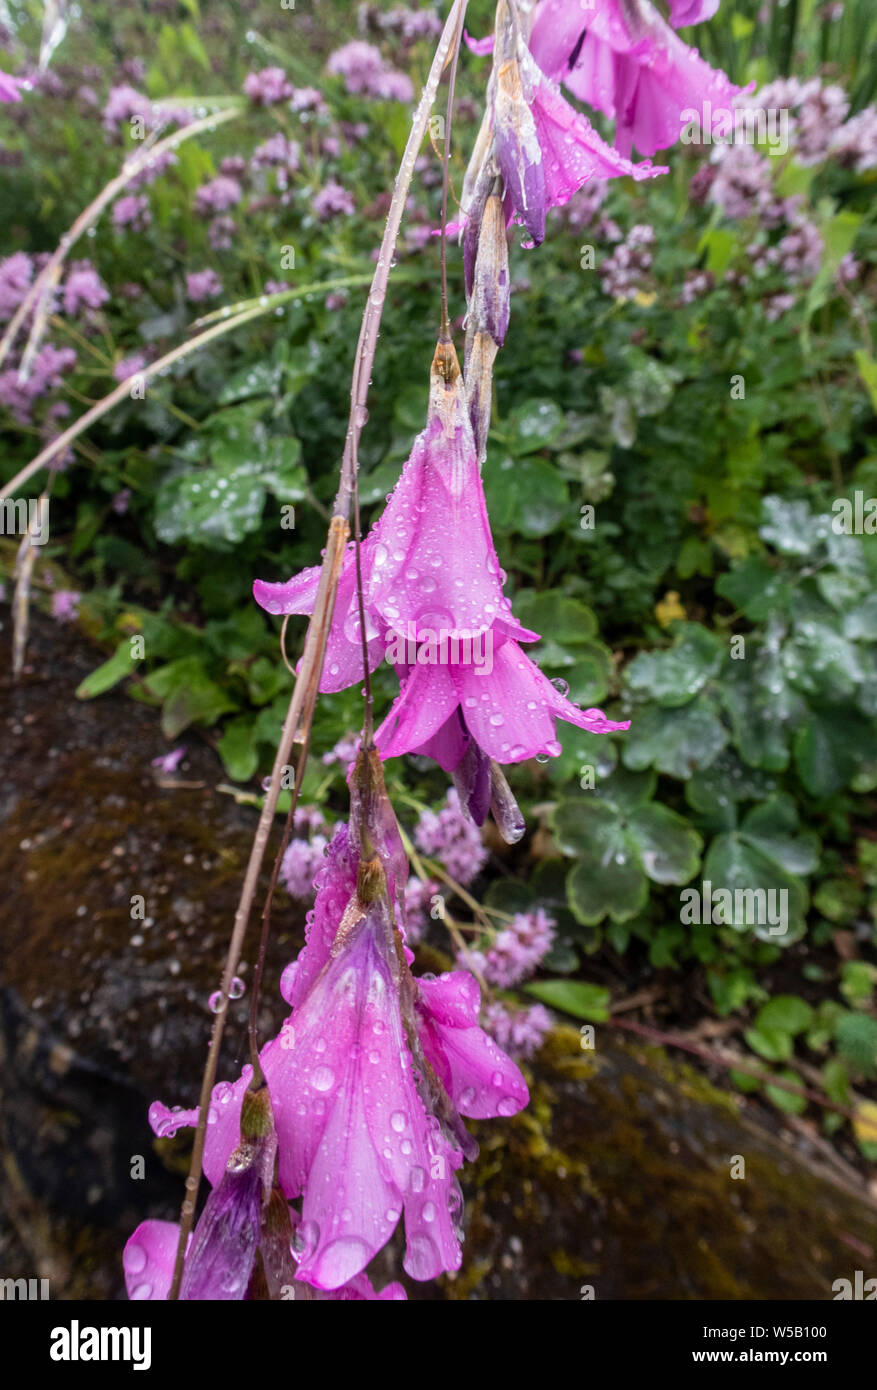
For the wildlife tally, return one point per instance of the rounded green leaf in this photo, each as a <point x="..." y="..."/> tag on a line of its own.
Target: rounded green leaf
<point x="668" y="846"/>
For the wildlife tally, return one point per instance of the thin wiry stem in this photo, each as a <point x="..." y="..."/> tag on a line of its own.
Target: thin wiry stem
<point x="122" y="391"/>
<point x="305" y="692"/>
<point x="452" y="82"/>
<point x="131" y="168"/>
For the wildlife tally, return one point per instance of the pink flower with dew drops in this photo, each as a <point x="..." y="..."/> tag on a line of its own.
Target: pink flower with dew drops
<point x="148" y="1262"/>
<point x="367" y="1106"/>
<point x="429" y="567"/>
<point x="623" y="59"/>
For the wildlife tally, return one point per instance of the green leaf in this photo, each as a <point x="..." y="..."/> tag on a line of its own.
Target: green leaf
<point x="856" y="1037"/>
<point x="589" y="675"/>
<point x="607" y="877"/>
<point x="673" y="677"/>
<point x="189" y="695"/>
<point x="784" y="1100"/>
<point x="526" y="496"/>
<point x="535" y="424"/>
<point x="564" y="620"/>
<point x="119" y="665"/>
<point x="788" y="526"/>
<point x="625" y="790"/>
<point x="785" y="1013"/>
<point x="668" y="846"/>
<point x="829" y="748"/>
<point x="760" y="889"/>
<point x="755" y="588"/>
<point x="770" y="827"/>
<point x="675" y="741"/>
<point x="237" y="748"/>
<point x="772" y="1044"/>
<point x="868" y="372"/>
<point x="575" y="997"/>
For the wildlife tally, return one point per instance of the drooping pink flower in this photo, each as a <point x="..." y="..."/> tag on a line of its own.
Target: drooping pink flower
<point x="367" y="1079"/>
<point x="545" y="149"/>
<point x="622" y="58"/>
<point x="434" y="606"/>
<point x="508" y="713"/>
<point x="148" y="1262"/>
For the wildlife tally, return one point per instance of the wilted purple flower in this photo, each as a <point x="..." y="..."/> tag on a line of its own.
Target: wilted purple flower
<point x="83" y="289"/>
<point x="268" y="86"/>
<point x="218" y="195"/>
<point x="16" y="275"/>
<point x="519" y="1032"/>
<point x="65" y="605"/>
<point x="132" y="211"/>
<point x="202" y="284"/>
<point x="450" y="836"/>
<point x="331" y="200"/>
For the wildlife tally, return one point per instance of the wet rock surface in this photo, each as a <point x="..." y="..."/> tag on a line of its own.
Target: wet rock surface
<point x="616" y="1180"/>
